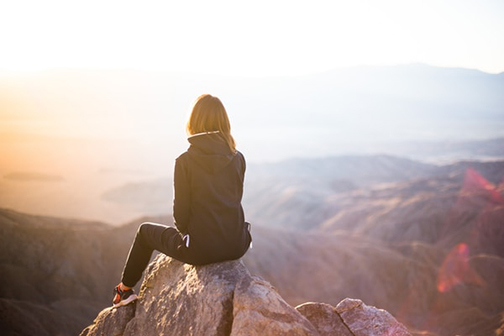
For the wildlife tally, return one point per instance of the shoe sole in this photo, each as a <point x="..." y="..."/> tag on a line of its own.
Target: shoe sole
<point x="130" y="299"/>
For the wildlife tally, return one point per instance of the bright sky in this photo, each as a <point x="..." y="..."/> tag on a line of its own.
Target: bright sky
<point x="252" y="38"/>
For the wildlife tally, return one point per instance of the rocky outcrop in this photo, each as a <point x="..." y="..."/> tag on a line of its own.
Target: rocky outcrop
<point x="351" y="318"/>
<point x="224" y="299"/>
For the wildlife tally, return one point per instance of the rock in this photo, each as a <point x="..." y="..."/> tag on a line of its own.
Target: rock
<point x="180" y="299"/>
<point x="224" y="299"/>
<point x="111" y="321"/>
<point x="367" y="320"/>
<point x="325" y="318"/>
<point x="259" y="310"/>
<point x="351" y="318"/>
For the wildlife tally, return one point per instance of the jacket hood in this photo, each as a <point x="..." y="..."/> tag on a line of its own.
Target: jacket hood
<point x="210" y="151"/>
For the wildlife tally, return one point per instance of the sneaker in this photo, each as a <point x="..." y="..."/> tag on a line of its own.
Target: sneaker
<point x="122" y="298"/>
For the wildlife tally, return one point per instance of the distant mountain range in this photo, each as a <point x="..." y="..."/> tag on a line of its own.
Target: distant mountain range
<point x="319" y="189"/>
<point x="443" y="152"/>
<point x="323" y="188"/>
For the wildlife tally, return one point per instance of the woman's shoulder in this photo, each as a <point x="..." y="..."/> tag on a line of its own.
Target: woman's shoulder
<point x="240" y="155"/>
<point x="182" y="157"/>
<point x="240" y="160"/>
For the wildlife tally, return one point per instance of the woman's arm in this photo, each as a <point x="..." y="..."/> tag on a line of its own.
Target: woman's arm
<point x="181" y="196"/>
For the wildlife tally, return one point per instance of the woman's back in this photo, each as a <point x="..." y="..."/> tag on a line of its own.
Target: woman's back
<point x="207" y="205"/>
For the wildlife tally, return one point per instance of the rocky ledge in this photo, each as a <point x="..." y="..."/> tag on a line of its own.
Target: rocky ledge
<point x="224" y="299"/>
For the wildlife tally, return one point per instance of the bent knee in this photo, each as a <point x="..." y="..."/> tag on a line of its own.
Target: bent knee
<point x="145" y="226"/>
<point x="151" y="228"/>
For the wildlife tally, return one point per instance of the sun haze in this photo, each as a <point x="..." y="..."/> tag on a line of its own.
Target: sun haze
<point x="262" y="38"/>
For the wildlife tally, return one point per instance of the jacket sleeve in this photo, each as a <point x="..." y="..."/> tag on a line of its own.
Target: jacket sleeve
<point x="243" y="166"/>
<point x="181" y="196"/>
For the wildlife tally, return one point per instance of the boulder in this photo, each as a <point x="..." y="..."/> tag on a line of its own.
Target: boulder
<point x="325" y="318"/>
<point x="224" y="299"/>
<point x="351" y="318"/>
<point x="111" y="321"/>
<point x="367" y="320"/>
<point x="259" y="310"/>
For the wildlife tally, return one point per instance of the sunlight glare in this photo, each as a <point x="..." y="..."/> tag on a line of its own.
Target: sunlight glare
<point x="260" y="39"/>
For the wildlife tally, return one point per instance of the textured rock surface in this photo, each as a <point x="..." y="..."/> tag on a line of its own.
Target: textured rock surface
<point x="259" y="310"/>
<point x="324" y="318"/>
<point x="351" y="318"/>
<point x="180" y="299"/>
<point x="111" y="321"/>
<point x="366" y="320"/>
<point x="224" y="299"/>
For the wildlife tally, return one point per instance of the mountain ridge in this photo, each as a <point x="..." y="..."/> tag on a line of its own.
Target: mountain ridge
<point x="370" y="269"/>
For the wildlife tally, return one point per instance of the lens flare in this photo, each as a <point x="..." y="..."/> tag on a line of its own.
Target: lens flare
<point x="477" y="185"/>
<point x="457" y="270"/>
<point x="484" y="198"/>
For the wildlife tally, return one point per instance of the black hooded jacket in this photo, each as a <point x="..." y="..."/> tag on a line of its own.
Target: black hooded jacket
<point x="208" y="188"/>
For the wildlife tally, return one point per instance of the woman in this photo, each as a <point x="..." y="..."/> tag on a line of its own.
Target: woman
<point x="208" y="188"/>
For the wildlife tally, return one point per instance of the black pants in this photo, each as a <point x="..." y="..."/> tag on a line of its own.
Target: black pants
<point x="168" y="240"/>
<point x="150" y="237"/>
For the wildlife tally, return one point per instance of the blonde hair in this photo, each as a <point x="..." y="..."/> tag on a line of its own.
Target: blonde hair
<point x="209" y="115"/>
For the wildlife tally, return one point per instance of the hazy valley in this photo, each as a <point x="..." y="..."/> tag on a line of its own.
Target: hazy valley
<point x="426" y="244"/>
